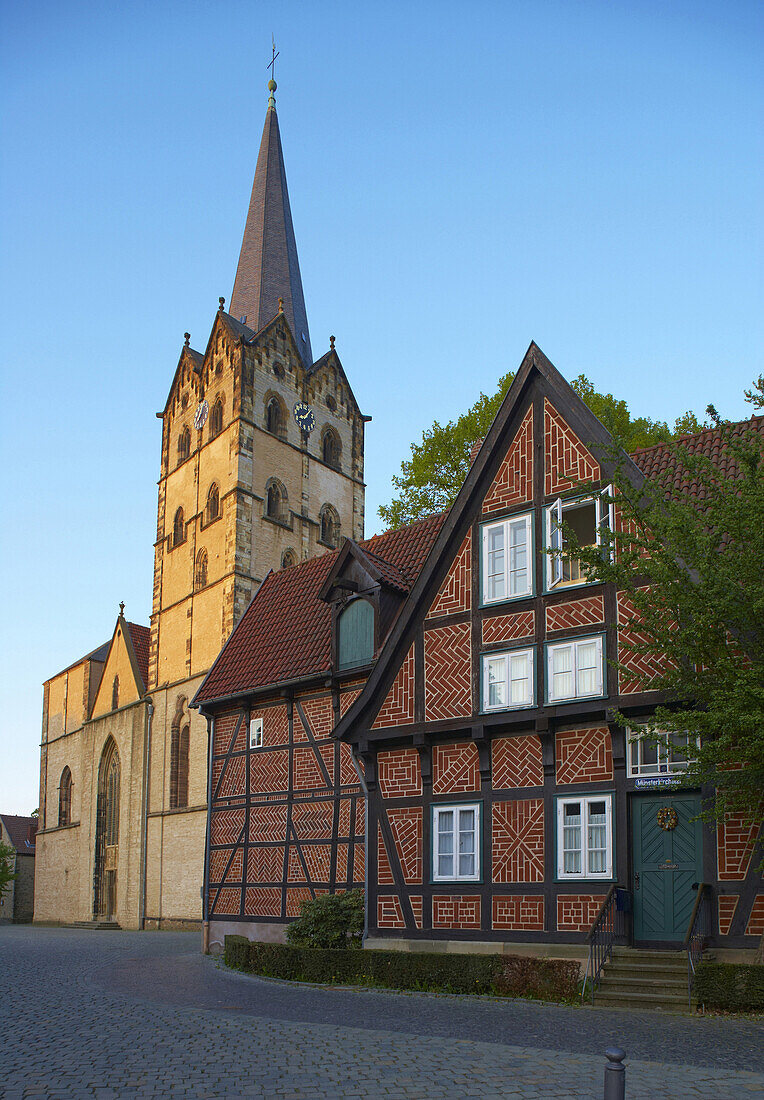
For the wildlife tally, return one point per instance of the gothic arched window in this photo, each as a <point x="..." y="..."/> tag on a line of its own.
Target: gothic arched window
<point x="276" y="501"/>
<point x="213" y="503"/>
<point x="274" y="417"/>
<point x="330" y="526"/>
<point x="115" y="693"/>
<point x="179" y="746"/>
<point x="331" y="448"/>
<point x="288" y="559"/>
<point x="200" y="570"/>
<point x="216" y="419"/>
<point x="184" y="445"/>
<point x="355" y="634"/>
<point x="65" y="798"/>
<point x="178" y="528"/>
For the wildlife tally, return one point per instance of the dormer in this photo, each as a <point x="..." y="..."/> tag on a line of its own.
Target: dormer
<point x="365" y="593"/>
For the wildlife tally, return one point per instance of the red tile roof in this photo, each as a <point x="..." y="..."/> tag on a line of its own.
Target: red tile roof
<point x="285" y="633"/>
<point x="21" y="831"/>
<point x="141" y="638"/>
<point x="662" y="462"/>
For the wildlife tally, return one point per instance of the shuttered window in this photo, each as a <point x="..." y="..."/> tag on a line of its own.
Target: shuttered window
<point x="356" y="634"/>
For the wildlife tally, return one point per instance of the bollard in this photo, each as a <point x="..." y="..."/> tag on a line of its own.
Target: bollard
<point x="615" y="1074"/>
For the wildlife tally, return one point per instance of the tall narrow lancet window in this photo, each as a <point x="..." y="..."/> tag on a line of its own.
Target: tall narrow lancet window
<point x="115" y="693"/>
<point x="65" y="798"/>
<point x="213" y="503"/>
<point x="329" y="533"/>
<point x="200" y="571"/>
<point x="274" y="420"/>
<point x="276" y="502"/>
<point x="355" y="630"/>
<point x="184" y="445"/>
<point x="331" y="448"/>
<point x="179" y="766"/>
<point x="216" y="419"/>
<point x="178" y="528"/>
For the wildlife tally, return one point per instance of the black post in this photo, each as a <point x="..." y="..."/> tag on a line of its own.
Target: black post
<point x="615" y="1074"/>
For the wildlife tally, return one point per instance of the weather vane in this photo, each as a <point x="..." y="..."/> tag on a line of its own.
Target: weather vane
<point x="272" y="63"/>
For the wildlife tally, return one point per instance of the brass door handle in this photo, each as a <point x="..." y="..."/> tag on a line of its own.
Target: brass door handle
<point x="636" y="880"/>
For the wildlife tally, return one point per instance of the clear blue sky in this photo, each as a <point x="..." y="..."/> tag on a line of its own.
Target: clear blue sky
<point x="463" y="178"/>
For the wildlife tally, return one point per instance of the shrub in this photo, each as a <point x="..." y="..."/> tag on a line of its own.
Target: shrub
<point x="502" y="975"/>
<point x="736" y="987"/>
<point x="329" y="921"/>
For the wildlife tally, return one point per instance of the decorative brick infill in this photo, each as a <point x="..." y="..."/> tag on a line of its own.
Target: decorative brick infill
<point x="456" y="911"/>
<point x="568" y="462"/>
<point x="399" y="773"/>
<point x="735" y="843"/>
<point x="398" y="707"/>
<point x="406" y="827"/>
<point x="448" y="672"/>
<point x="583" y="755"/>
<point x="643" y="667"/>
<point x="517" y="841"/>
<point x="519" y="912"/>
<point x="389" y="912"/>
<point x="589" y="611"/>
<point x="455" y="768"/>
<point x="508" y="628"/>
<point x="727" y="906"/>
<point x="516" y="762"/>
<point x="576" y="912"/>
<point x="456" y="591"/>
<point x="755" y="926"/>
<point x="513" y="483"/>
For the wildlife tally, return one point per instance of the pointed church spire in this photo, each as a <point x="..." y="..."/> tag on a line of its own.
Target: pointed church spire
<point x="268" y="266"/>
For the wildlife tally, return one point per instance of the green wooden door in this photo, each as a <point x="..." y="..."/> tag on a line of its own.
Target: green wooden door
<point x="666" y="864"/>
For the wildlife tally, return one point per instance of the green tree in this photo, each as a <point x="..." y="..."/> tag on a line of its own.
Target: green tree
<point x="693" y="572"/>
<point x="7" y="860"/>
<point x="329" y="920"/>
<point x="430" y="480"/>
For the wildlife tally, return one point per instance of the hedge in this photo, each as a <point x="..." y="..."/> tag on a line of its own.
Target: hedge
<point x="501" y="975"/>
<point x="737" y="987"/>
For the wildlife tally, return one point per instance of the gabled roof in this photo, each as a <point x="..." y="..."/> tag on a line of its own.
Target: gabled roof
<point x="21" y="831"/>
<point x="268" y="266"/>
<point x="285" y="633"/>
<point x="99" y="654"/>
<point x="662" y="463"/>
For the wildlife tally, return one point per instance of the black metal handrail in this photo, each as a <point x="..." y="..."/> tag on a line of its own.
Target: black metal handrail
<point x="698" y="931"/>
<point x="608" y="925"/>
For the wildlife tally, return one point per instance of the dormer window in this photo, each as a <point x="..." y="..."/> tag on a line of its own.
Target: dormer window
<point x="355" y="634"/>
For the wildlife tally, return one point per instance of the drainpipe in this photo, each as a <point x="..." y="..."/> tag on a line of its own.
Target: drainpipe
<point x="365" y="790"/>
<point x="145" y="813"/>
<point x="205" y="879"/>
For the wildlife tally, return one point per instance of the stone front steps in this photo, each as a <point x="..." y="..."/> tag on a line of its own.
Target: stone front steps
<point x="635" y="979"/>
<point x="102" y="925"/>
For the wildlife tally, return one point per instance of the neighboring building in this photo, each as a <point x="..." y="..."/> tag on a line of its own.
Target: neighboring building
<point x="261" y="468"/>
<point x="503" y="800"/>
<point x="17" y="903"/>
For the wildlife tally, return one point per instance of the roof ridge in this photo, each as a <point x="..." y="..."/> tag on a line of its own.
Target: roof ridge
<point x="696" y="435"/>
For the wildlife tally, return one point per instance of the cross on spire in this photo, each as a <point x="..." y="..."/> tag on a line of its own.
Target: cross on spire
<point x="272" y="63"/>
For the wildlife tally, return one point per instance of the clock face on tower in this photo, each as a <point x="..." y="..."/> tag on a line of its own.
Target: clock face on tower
<point x="200" y="416"/>
<point x="304" y="416"/>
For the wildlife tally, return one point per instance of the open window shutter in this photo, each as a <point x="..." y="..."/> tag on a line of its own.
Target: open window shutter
<point x="555" y="542"/>
<point x="605" y="513"/>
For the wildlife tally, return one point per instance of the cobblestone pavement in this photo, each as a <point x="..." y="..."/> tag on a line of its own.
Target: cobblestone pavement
<point x="111" y="1014"/>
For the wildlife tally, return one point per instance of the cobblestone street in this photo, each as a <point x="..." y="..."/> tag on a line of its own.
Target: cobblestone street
<point x="112" y="1014"/>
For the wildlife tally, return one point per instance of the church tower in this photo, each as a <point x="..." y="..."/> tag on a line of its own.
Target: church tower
<point x="261" y="467"/>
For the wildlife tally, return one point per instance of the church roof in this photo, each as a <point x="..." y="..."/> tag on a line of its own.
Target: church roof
<point x="285" y="633"/>
<point x="268" y="267"/>
<point x="21" y="831"/>
<point x="141" y="639"/>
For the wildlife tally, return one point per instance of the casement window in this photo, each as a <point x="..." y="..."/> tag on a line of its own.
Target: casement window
<point x="508" y="680"/>
<point x="585" y="837"/>
<point x="586" y="518"/>
<point x="575" y="670"/>
<point x="456" y="843"/>
<point x="659" y="753"/>
<point x="255" y="733"/>
<point x="507" y="559"/>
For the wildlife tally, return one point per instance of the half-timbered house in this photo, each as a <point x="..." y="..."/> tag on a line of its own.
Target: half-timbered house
<point x="469" y="694"/>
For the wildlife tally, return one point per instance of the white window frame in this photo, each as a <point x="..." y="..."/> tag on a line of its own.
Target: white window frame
<point x="573" y="644"/>
<point x="584" y="800"/>
<point x="604" y="516"/>
<point x="435" y="834"/>
<point x="255" y="733"/>
<point x="526" y="520"/>
<point x="665" y="765"/>
<point x="507" y="656"/>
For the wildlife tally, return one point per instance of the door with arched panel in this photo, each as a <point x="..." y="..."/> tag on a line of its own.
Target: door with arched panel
<point x="107" y="834"/>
